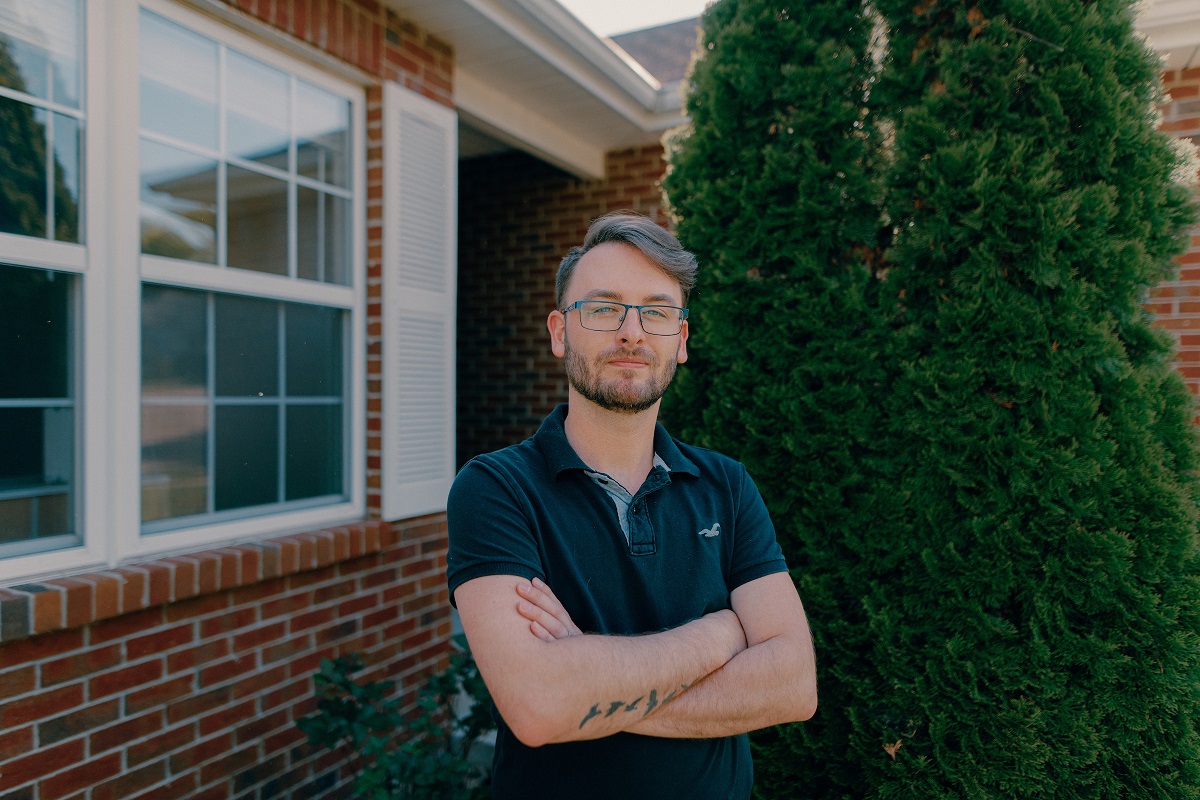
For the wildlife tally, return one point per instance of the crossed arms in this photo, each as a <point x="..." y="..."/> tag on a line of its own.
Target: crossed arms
<point x="725" y="673"/>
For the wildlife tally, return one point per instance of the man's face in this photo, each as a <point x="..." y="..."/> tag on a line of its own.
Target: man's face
<point x="625" y="370"/>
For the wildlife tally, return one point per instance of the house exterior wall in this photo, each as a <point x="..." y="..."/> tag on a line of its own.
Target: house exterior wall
<point x="517" y="218"/>
<point x="184" y="676"/>
<point x="1177" y="303"/>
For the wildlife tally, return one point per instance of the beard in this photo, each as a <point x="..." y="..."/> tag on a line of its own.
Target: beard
<point x="622" y="395"/>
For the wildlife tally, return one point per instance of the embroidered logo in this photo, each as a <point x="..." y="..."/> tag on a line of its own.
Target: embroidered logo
<point x="709" y="533"/>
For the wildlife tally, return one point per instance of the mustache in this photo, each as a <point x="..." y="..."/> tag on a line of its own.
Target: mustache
<point x="640" y="353"/>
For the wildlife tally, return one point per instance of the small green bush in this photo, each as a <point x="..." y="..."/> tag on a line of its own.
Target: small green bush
<point x="424" y="755"/>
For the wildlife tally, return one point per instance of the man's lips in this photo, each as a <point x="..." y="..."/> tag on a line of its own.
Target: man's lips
<point x="627" y="363"/>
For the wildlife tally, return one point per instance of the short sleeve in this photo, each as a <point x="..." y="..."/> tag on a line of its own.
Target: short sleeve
<point x="491" y="529"/>
<point x="756" y="551"/>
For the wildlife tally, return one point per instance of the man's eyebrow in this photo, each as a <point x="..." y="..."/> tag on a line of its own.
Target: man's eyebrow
<point x="609" y="294"/>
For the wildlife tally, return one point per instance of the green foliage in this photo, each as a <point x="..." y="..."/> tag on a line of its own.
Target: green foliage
<point x="420" y="756"/>
<point x="919" y="323"/>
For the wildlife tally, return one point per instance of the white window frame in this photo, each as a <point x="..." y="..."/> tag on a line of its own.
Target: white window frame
<point x="112" y="270"/>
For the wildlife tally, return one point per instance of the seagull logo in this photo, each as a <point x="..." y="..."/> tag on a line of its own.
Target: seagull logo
<point x="709" y="533"/>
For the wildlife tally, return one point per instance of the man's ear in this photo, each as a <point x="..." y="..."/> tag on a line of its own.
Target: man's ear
<point x="681" y="354"/>
<point x="556" y="323"/>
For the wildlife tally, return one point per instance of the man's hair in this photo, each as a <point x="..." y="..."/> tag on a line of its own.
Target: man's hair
<point x="653" y="241"/>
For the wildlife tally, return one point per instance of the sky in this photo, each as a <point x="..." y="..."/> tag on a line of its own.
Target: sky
<point x="608" y="17"/>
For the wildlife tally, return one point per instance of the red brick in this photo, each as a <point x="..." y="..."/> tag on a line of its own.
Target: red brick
<point x="85" y="775"/>
<point x="198" y="607"/>
<point x="227" y="670"/>
<point x="179" y="788"/>
<point x="258" y="636"/>
<point x="40" y="706"/>
<point x="123" y="680"/>
<point x="15" y="742"/>
<point x="124" y="732"/>
<point x="160" y="640"/>
<point x="228" y="718"/>
<point x="125" y="626"/>
<point x="130" y="782"/>
<point x="226" y="623"/>
<point x="229" y="764"/>
<point x="159" y="695"/>
<point x="80" y="665"/>
<point x="18" y="681"/>
<point x="169" y="740"/>
<point x="202" y="751"/>
<point x="79" y="721"/>
<point x="43" y="761"/>
<point x="184" y="582"/>
<point x="196" y="704"/>
<point x="77" y="596"/>
<point x="48" y="608"/>
<point x="259" y="681"/>
<point x="198" y="656"/>
<point x="132" y="583"/>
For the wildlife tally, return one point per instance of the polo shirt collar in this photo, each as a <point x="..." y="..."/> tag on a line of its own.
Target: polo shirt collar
<point x="551" y="440"/>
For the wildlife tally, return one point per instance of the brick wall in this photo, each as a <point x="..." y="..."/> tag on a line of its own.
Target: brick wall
<point x="182" y="677"/>
<point x="517" y="218"/>
<point x="1177" y="302"/>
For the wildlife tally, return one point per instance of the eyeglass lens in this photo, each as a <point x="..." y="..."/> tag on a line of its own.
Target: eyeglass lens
<point x="600" y="315"/>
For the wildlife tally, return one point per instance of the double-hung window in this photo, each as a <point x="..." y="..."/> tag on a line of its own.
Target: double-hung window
<point x="182" y="284"/>
<point x="42" y="122"/>
<point x="247" y="295"/>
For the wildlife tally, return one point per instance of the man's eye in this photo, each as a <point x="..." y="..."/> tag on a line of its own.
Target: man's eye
<point x="603" y="311"/>
<point x="655" y="312"/>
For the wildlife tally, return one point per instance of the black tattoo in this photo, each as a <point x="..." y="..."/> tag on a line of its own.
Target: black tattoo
<point x="595" y="712"/>
<point x="652" y="702"/>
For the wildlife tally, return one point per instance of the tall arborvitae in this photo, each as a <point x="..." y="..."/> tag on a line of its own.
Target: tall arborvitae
<point x="1039" y="636"/>
<point x="986" y="488"/>
<point x="772" y="185"/>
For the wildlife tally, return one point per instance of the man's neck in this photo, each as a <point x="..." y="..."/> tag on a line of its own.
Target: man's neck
<point x="618" y="444"/>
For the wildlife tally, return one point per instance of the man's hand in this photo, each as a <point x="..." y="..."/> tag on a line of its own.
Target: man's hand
<point x="548" y="620"/>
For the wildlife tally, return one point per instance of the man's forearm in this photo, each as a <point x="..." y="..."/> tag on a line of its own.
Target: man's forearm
<point x="584" y="686"/>
<point x="763" y="685"/>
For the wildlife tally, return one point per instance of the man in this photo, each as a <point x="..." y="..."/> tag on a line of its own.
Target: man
<point x="623" y="593"/>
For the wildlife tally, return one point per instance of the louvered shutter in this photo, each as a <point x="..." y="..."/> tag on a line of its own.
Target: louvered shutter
<point x="419" y="271"/>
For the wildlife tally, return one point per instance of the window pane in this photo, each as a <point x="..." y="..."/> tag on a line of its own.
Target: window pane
<point x="247" y="339"/>
<point x="314" y="351"/>
<point x="247" y="457"/>
<point x="258" y="221"/>
<point x="23" y="165"/>
<point x="323" y="237"/>
<point x="174" y="342"/>
<point x="67" y="141"/>
<point x="314" y="451"/>
<point x="256" y="114"/>
<point x="174" y="461"/>
<point x="35" y="334"/>
<point x="40" y="49"/>
<point x="178" y="82"/>
<point x="37" y="415"/>
<point x="179" y="204"/>
<point x="322" y="135"/>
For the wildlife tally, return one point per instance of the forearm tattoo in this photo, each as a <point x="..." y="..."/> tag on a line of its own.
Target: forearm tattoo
<point x="652" y="702"/>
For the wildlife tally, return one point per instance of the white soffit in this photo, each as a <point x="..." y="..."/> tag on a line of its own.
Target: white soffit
<point x="1173" y="28"/>
<point x="536" y="76"/>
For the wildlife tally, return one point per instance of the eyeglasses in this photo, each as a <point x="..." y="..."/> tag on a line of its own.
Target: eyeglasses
<point x="605" y="315"/>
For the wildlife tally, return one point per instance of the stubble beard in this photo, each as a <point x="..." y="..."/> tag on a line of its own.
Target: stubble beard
<point x="618" y="394"/>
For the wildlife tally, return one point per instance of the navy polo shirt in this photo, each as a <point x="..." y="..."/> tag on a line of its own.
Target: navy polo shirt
<point x="696" y="532"/>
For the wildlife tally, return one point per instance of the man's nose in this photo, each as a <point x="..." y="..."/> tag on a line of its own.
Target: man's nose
<point x="631" y="328"/>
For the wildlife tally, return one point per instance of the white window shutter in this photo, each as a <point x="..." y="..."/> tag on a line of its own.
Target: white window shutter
<point x="420" y="169"/>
